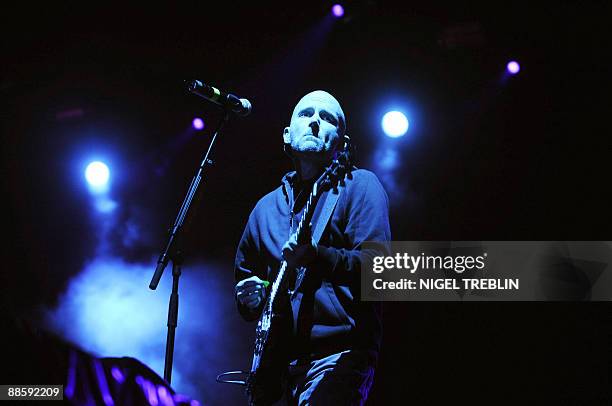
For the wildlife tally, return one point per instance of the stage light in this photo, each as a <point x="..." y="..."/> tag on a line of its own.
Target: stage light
<point x="395" y="124"/>
<point x="97" y="174"/>
<point x="513" y="67"/>
<point x="198" y="124"/>
<point x="337" y="10"/>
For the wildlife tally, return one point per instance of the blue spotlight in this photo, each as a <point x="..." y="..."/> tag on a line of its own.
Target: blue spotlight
<point x="395" y="124"/>
<point x="97" y="175"/>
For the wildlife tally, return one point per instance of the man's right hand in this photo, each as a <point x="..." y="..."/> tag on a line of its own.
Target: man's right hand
<point x="251" y="292"/>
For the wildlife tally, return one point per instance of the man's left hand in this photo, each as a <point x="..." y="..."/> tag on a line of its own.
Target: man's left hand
<point x="297" y="254"/>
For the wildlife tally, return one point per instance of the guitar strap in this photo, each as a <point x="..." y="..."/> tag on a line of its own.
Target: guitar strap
<point x="327" y="208"/>
<point x="324" y="215"/>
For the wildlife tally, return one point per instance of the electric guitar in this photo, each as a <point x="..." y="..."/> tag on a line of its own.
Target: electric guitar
<point x="264" y="382"/>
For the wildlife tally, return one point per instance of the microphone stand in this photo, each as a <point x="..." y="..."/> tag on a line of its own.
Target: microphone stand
<point x="173" y="252"/>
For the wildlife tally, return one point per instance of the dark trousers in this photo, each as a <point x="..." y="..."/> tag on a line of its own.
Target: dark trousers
<point x="339" y="379"/>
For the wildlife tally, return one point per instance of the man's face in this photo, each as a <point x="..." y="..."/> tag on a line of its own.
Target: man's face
<point x="315" y="124"/>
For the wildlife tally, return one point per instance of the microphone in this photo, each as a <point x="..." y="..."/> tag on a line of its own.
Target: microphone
<point x="241" y="107"/>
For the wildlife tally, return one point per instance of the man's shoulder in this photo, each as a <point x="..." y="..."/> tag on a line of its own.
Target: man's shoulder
<point x="269" y="198"/>
<point x="363" y="176"/>
<point x="364" y="184"/>
<point x="362" y="179"/>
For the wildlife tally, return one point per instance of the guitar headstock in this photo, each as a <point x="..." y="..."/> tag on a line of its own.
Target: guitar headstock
<point x="340" y="167"/>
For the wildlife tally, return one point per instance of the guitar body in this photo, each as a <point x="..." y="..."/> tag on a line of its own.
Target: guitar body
<point x="266" y="381"/>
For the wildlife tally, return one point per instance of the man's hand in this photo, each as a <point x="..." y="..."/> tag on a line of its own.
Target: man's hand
<point x="297" y="254"/>
<point x="251" y="292"/>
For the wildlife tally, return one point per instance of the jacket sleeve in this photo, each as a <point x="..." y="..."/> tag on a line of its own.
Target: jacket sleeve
<point x="247" y="264"/>
<point x="367" y="220"/>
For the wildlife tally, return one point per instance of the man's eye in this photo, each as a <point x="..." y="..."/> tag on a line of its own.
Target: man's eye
<point x="330" y="119"/>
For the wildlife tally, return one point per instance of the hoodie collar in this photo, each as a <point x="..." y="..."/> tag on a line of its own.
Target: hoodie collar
<point x="290" y="181"/>
<point x="287" y="185"/>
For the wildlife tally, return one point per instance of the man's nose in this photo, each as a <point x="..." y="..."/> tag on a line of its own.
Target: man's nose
<point x="314" y="126"/>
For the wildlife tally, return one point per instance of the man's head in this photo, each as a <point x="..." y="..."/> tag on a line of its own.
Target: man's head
<point x="317" y="126"/>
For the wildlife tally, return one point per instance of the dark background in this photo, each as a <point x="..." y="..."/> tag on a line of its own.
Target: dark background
<point x="486" y="158"/>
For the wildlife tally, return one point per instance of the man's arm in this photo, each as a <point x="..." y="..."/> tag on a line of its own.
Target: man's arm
<point x="367" y="220"/>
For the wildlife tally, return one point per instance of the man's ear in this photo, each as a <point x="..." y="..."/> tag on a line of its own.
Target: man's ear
<point x="286" y="136"/>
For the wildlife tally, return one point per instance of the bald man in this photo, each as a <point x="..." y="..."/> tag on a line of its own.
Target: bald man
<point x="334" y="340"/>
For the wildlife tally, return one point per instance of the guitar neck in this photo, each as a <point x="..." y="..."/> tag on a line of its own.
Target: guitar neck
<point x="306" y="216"/>
<point x="301" y="234"/>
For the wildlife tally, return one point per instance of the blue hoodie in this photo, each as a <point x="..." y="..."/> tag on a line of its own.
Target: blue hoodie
<point x="331" y="317"/>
